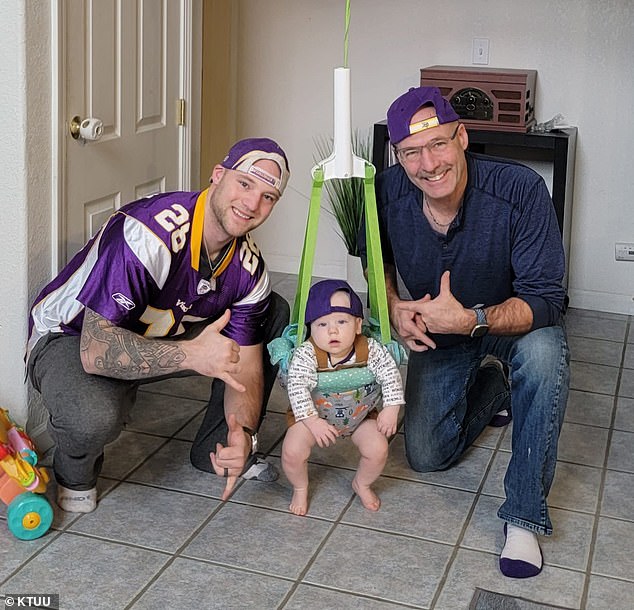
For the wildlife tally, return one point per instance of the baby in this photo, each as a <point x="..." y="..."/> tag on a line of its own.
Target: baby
<point x="334" y="314"/>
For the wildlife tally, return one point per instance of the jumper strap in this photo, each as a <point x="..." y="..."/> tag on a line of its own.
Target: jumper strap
<point x="361" y="353"/>
<point x="376" y="277"/>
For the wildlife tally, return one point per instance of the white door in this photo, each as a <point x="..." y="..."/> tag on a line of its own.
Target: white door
<point x="122" y="65"/>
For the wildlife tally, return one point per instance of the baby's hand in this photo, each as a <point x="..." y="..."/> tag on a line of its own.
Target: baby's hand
<point x="387" y="420"/>
<point x="325" y="434"/>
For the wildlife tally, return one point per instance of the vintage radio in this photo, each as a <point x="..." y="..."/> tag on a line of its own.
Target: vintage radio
<point x="495" y="99"/>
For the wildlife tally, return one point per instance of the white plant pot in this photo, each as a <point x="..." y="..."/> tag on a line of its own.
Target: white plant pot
<point x="354" y="274"/>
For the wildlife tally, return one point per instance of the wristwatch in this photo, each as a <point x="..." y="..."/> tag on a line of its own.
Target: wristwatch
<point x="254" y="439"/>
<point x="481" y="327"/>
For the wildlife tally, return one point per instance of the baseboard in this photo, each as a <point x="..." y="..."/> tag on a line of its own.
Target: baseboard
<point x="602" y="301"/>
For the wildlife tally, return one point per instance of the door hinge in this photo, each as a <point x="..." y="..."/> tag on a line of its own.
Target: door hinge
<point x="180" y="112"/>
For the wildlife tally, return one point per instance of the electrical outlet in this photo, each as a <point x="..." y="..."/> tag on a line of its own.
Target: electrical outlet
<point x="480" y="51"/>
<point x="624" y="252"/>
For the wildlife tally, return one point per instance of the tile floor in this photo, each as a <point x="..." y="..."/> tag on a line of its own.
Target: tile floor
<point x="161" y="538"/>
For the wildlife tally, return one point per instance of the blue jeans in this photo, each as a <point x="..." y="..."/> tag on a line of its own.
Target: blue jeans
<point x="450" y="400"/>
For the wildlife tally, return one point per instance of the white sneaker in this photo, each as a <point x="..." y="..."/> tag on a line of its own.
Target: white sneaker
<point x="261" y="471"/>
<point x="75" y="501"/>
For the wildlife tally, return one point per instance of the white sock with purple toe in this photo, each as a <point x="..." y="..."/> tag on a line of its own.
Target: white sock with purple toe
<point x="521" y="556"/>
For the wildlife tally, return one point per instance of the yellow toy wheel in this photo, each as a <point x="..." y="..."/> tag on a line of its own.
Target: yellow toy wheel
<point x="29" y="516"/>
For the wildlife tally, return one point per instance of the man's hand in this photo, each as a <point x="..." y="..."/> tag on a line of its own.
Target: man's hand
<point x="325" y="434"/>
<point x="444" y="314"/>
<point x="214" y="355"/>
<point x="112" y="351"/>
<point x="387" y="420"/>
<point x="229" y="461"/>
<point x="409" y="324"/>
<point x="246" y="406"/>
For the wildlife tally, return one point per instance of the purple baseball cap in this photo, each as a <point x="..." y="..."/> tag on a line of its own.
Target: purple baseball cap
<point x="318" y="304"/>
<point x="403" y="108"/>
<point x="243" y="156"/>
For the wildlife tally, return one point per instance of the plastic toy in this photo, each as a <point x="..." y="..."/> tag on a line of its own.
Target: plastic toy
<point x="22" y="484"/>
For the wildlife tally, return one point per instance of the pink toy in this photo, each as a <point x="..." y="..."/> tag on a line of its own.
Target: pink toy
<point x="22" y="484"/>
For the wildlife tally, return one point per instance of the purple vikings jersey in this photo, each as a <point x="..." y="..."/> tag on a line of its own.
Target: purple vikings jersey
<point x="141" y="272"/>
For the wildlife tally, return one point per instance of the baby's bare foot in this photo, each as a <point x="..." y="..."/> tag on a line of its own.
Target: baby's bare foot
<point x="368" y="498"/>
<point x="299" y="501"/>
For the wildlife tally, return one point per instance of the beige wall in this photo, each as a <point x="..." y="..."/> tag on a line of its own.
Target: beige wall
<point x="217" y="131"/>
<point x="583" y="55"/>
<point x="25" y="183"/>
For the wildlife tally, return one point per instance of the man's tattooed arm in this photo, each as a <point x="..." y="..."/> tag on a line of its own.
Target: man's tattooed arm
<point x="112" y="351"/>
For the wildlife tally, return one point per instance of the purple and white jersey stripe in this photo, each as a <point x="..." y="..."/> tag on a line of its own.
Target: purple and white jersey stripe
<point x="141" y="272"/>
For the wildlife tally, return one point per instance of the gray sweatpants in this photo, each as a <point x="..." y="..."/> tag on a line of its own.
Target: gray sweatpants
<point x="86" y="412"/>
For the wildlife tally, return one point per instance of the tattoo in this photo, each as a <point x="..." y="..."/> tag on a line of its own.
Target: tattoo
<point x="123" y="354"/>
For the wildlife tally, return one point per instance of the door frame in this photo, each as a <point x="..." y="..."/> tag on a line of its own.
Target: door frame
<point x="189" y="89"/>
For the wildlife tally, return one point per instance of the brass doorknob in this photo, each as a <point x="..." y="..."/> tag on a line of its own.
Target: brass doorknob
<point x="86" y="129"/>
